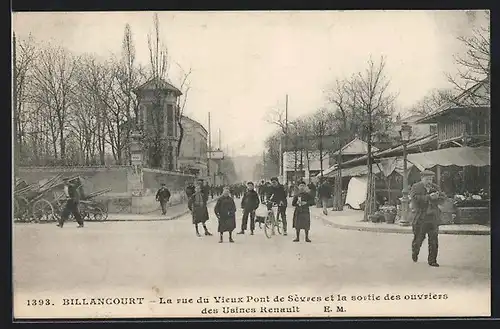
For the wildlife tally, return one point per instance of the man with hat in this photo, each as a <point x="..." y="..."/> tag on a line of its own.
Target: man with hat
<point x="71" y="207"/>
<point x="277" y="195"/>
<point x="425" y="197"/>
<point x="163" y="195"/>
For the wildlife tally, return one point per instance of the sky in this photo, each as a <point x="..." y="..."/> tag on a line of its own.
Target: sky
<point x="245" y="63"/>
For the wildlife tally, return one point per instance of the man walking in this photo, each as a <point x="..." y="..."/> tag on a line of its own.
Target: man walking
<point x="425" y="197"/>
<point x="324" y="194"/>
<point x="71" y="207"/>
<point x="163" y="195"/>
<point x="250" y="202"/>
<point x="278" y="195"/>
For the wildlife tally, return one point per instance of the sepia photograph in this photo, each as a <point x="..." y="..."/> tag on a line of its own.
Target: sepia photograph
<point x="251" y="164"/>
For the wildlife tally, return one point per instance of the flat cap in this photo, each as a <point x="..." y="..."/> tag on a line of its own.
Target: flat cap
<point x="275" y="179"/>
<point x="427" y="173"/>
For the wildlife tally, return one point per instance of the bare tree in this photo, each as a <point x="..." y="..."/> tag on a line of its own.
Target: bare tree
<point x="127" y="79"/>
<point x="54" y="83"/>
<point x="277" y="117"/>
<point x="96" y="81"/>
<point x="432" y="101"/>
<point x="158" y="55"/>
<point x="321" y="128"/>
<point x="24" y="54"/>
<point x="181" y="104"/>
<point x="474" y="66"/>
<point x="375" y="100"/>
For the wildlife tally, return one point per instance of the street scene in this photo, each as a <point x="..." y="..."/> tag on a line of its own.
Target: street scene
<point x="161" y="173"/>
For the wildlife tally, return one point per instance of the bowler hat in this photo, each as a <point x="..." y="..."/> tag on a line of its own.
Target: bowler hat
<point x="427" y="173"/>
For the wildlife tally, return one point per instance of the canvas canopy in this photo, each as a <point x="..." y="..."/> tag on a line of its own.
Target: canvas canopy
<point x="386" y="166"/>
<point x="453" y="156"/>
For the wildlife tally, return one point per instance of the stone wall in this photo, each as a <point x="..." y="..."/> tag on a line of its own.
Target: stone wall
<point x="96" y="178"/>
<point x="120" y="179"/>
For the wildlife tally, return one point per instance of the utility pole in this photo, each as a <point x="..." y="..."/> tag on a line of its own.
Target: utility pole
<point x="282" y="157"/>
<point x="209" y="146"/>
<point x="220" y="145"/>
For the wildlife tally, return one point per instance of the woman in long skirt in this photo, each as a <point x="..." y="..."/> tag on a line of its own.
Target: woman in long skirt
<point x="198" y="207"/>
<point x="225" y="210"/>
<point x="301" y="215"/>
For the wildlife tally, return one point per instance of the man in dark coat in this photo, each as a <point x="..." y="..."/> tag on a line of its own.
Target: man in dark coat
<point x="425" y="197"/>
<point x="325" y="194"/>
<point x="278" y="195"/>
<point x="249" y="203"/>
<point x="163" y="195"/>
<point x="301" y="215"/>
<point x="312" y="190"/>
<point x="205" y="187"/>
<point x="71" y="206"/>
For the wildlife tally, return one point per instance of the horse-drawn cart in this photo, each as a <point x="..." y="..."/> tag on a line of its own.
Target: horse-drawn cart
<point x="44" y="201"/>
<point x="35" y="202"/>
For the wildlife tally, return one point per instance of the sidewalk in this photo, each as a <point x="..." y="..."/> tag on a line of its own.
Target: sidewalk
<point x="352" y="220"/>
<point x="173" y="212"/>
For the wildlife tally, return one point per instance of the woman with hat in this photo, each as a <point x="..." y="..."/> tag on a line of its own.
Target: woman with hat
<point x="198" y="206"/>
<point x="225" y="210"/>
<point x="301" y="215"/>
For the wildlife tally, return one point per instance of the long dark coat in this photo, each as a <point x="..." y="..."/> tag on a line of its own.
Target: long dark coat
<point x="423" y="209"/>
<point x="225" y="210"/>
<point x="198" y="207"/>
<point x="301" y="214"/>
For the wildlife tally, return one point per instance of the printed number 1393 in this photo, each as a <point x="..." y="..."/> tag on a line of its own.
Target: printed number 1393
<point x="39" y="302"/>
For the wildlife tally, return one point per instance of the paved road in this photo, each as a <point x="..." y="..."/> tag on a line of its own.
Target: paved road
<point x="161" y="256"/>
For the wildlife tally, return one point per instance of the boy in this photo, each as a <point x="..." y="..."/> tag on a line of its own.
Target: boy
<point x="250" y="202"/>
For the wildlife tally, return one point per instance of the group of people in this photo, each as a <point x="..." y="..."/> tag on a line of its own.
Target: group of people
<point x="225" y="209"/>
<point x="425" y="197"/>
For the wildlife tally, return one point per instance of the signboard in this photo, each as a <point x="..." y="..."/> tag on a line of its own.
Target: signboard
<point x="136" y="158"/>
<point x="215" y="155"/>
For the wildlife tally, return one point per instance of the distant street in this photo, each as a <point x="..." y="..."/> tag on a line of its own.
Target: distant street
<point x="139" y="256"/>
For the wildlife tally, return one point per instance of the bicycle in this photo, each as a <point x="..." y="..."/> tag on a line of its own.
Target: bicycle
<point x="271" y="223"/>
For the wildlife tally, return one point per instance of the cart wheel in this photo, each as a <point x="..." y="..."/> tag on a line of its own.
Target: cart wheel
<point x="268" y="225"/>
<point x="104" y="211"/>
<point x="43" y="211"/>
<point x="279" y="226"/>
<point x="98" y="214"/>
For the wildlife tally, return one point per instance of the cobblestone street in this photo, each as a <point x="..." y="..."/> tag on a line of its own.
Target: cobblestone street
<point x="167" y="256"/>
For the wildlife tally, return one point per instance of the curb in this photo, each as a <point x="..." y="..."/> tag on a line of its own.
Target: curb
<point x="396" y="230"/>
<point x="158" y="219"/>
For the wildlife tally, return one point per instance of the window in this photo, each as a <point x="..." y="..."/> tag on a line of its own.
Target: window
<point x="170" y="120"/>
<point x="433" y="128"/>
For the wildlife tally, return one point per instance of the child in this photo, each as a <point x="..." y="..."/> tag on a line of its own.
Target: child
<point x="198" y="206"/>
<point x="249" y="203"/>
<point x="301" y="216"/>
<point x="225" y="210"/>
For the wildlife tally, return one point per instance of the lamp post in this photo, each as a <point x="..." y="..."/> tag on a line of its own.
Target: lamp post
<point x="405" y="133"/>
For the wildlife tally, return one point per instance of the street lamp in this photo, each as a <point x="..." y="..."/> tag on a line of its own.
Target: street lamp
<point x="405" y="133"/>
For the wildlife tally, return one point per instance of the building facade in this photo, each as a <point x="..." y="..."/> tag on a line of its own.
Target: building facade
<point x="157" y="121"/>
<point x="303" y="165"/>
<point x="193" y="151"/>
